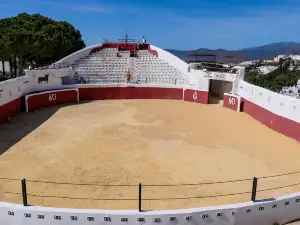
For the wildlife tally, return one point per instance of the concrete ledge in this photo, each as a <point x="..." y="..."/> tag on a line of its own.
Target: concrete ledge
<point x="280" y="210"/>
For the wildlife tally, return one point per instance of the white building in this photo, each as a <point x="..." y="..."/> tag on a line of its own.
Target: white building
<point x="266" y="69"/>
<point x="269" y="61"/>
<point x="280" y="57"/>
<point x="293" y="91"/>
<point x="295" y="57"/>
<point x="247" y="63"/>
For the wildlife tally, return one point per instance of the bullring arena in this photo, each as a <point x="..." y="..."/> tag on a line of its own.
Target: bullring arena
<point x="90" y="145"/>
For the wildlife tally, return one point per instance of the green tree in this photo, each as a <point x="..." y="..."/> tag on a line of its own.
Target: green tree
<point x="276" y="79"/>
<point x="35" y="39"/>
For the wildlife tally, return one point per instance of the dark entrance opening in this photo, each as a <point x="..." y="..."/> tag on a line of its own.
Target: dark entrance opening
<point x="242" y="106"/>
<point x="23" y="104"/>
<point x="217" y="88"/>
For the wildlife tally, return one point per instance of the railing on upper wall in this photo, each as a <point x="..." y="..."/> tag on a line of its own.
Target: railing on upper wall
<point x="218" y="69"/>
<point x="52" y="66"/>
<point x="174" y="81"/>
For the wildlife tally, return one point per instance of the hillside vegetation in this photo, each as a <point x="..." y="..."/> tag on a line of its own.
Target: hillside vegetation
<point x="286" y="75"/>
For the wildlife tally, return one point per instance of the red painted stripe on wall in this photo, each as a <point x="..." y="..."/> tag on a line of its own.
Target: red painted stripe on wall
<point x="231" y="102"/>
<point x="42" y="100"/>
<point x="129" y="93"/>
<point x="196" y="96"/>
<point x="10" y="109"/>
<point x="278" y="123"/>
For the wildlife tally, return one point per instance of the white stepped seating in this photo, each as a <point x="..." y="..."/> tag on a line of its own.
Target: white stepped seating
<point x="105" y="67"/>
<point x="102" y="67"/>
<point x="156" y="69"/>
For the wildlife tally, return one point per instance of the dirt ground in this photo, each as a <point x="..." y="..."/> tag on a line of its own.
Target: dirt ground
<point x="153" y="142"/>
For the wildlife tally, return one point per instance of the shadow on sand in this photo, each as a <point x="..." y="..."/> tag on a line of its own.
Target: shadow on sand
<point x="22" y="125"/>
<point x="214" y="99"/>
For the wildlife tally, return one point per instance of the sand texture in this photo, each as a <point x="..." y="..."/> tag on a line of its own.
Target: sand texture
<point x="153" y="142"/>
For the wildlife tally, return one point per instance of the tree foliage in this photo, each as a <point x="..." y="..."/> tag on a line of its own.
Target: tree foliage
<point x="276" y="79"/>
<point x="36" y="39"/>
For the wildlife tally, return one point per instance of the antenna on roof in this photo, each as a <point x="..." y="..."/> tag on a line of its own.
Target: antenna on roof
<point x="126" y="38"/>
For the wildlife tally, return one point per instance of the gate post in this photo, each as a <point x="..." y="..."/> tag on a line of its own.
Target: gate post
<point x="140" y="197"/>
<point x="254" y="187"/>
<point x="24" y="192"/>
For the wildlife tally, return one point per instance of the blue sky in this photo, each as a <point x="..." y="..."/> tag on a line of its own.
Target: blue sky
<point x="178" y="24"/>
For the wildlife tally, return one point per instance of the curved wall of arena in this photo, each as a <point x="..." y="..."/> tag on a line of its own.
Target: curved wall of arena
<point x="12" y="92"/>
<point x="278" y="112"/>
<point x="279" y="210"/>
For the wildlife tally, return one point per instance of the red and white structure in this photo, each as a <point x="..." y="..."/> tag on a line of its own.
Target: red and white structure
<point x="175" y="79"/>
<point x="50" y="98"/>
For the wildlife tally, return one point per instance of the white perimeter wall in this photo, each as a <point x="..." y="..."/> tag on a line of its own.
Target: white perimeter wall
<point x="15" y="88"/>
<point x="280" y="210"/>
<point x="201" y="79"/>
<point x="278" y="104"/>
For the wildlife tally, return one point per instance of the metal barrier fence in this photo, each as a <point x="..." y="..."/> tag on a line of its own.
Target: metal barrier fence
<point x="81" y="80"/>
<point x="252" y="191"/>
<point x="52" y="66"/>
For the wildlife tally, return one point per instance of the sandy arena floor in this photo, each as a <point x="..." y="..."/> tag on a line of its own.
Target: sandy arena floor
<point x="143" y="141"/>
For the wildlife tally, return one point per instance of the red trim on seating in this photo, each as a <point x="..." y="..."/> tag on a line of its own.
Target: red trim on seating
<point x="96" y="49"/>
<point x="132" y="47"/>
<point x="153" y="52"/>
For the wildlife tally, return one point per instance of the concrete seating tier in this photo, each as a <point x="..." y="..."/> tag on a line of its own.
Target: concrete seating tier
<point x="155" y="69"/>
<point x="105" y="67"/>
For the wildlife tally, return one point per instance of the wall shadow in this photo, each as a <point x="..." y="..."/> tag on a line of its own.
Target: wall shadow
<point x="295" y="222"/>
<point x="22" y="125"/>
<point x="214" y="99"/>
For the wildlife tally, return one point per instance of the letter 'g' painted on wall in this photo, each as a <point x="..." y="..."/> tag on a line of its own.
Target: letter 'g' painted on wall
<point x="52" y="97"/>
<point x="195" y="95"/>
<point x="231" y="101"/>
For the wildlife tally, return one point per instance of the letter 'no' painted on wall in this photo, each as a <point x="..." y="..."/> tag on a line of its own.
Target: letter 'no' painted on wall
<point x="231" y="101"/>
<point x="52" y="97"/>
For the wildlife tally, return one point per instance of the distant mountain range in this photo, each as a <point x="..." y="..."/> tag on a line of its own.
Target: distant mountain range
<point x="269" y="51"/>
